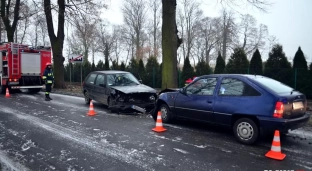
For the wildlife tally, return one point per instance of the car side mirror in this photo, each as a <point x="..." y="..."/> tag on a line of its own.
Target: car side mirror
<point x="141" y="81"/>
<point x="182" y="90"/>
<point x="102" y="85"/>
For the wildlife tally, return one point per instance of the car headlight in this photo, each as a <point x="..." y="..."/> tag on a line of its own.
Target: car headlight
<point x="152" y="98"/>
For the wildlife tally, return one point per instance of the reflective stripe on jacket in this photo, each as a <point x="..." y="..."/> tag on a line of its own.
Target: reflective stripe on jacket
<point x="48" y="76"/>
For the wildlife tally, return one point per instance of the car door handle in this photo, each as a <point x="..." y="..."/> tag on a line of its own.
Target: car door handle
<point x="209" y="101"/>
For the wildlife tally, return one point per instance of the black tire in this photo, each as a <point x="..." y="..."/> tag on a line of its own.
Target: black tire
<point x="2" y="89"/>
<point x="246" y="131"/>
<point x="166" y="114"/>
<point x="34" y="90"/>
<point x="87" y="97"/>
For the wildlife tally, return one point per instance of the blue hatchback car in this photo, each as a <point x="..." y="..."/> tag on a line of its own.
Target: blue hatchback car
<point x="244" y="102"/>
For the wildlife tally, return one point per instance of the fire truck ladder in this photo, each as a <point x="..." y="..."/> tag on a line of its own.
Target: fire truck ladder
<point x="15" y="58"/>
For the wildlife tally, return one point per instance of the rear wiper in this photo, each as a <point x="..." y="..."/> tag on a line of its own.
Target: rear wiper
<point x="292" y="91"/>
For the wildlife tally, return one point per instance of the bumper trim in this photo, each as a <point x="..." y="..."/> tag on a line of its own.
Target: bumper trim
<point x="18" y="87"/>
<point x="284" y="124"/>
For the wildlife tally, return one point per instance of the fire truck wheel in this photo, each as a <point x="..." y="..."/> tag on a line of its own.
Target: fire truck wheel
<point x="34" y="90"/>
<point x="2" y="89"/>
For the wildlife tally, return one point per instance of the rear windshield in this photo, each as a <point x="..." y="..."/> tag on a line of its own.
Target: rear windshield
<point x="273" y="85"/>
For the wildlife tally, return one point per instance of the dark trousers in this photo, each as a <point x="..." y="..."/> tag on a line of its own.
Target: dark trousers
<point x="48" y="89"/>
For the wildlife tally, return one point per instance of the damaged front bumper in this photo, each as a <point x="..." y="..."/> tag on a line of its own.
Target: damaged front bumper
<point x="143" y="108"/>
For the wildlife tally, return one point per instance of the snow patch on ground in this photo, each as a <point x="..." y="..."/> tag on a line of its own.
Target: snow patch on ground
<point x="27" y="145"/>
<point x="181" y="151"/>
<point x="301" y="134"/>
<point x="8" y="164"/>
<point x="132" y="156"/>
<point x="28" y="96"/>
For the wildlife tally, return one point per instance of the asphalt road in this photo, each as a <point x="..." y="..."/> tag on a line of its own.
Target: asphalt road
<point x="58" y="135"/>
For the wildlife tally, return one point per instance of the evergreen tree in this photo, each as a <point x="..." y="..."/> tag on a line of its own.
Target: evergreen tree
<point x="86" y="69"/>
<point x="238" y="62"/>
<point x="188" y="70"/>
<point x="300" y="71"/>
<point x="159" y="81"/>
<point x="100" y="65"/>
<point x="309" y="82"/>
<point x="141" y="70"/>
<point x="220" y="64"/>
<point x="115" y="65"/>
<point x="122" y="66"/>
<point x="202" y="68"/>
<point x="106" y="66"/>
<point x="133" y="67"/>
<point x="299" y="61"/>
<point x="93" y="68"/>
<point x="255" y="66"/>
<point x="152" y="72"/>
<point x="277" y="66"/>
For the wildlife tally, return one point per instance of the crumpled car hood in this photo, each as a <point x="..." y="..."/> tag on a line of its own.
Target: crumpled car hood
<point x="141" y="88"/>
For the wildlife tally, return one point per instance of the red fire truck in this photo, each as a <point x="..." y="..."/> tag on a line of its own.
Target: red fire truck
<point x="21" y="66"/>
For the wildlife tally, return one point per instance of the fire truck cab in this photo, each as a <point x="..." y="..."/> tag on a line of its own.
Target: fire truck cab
<point x="21" y="66"/>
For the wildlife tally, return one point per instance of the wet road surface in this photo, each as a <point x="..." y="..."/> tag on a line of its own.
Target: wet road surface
<point x="58" y="135"/>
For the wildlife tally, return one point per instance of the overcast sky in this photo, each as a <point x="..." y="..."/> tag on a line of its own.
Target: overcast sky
<point x="289" y="20"/>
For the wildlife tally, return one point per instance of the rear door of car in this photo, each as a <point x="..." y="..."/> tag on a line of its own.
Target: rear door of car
<point x="198" y="100"/>
<point x="236" y="96"/>
<point x="89" y="84"/>
<point x="99" y="88"/>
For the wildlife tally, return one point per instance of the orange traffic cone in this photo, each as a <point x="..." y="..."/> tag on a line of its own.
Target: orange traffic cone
<point x="91" y="110"/>
<point x="7" y="94"/>
<point x="275" y="152"/>
<point x="159" y="127"/>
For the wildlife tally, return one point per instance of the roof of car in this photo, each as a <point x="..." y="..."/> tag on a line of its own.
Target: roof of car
<point x="111" y="72"/>
<point x="236" y="75"/>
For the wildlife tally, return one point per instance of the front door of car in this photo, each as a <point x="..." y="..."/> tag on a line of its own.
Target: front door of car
<point x="197" y="100"/>
<point x="89" y="85"/>
<point x="99" y="88"/>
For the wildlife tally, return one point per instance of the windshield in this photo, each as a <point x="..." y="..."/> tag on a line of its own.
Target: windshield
<point x="273" y="85"/>
<point x="122" y="79"/>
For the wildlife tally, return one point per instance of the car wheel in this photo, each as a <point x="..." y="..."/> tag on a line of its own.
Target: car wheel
<point x="2" y="89"/>
<point x="246" y="131"/>
<point x="87" y="97"/>
<point x="166" y="114"/>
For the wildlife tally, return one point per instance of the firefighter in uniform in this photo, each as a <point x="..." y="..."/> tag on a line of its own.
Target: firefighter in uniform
<point x="48" y="77"/>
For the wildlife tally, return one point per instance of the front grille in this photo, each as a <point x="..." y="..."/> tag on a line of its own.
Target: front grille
<point x="139" y="98"/>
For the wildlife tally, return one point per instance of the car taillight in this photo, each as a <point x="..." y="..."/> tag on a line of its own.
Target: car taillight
<point x="279" y="110"/>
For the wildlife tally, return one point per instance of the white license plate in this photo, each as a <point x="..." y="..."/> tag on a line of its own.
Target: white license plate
<point x="297" y="105"/>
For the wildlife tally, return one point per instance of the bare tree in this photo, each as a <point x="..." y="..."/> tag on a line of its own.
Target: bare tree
<point x="190" y="14"/>
<point x="208" y="37"/>
<point x="170" y="39"/>
<point x="253" y="38"/>
<point x="135" y="17"/>
<point x="229" y="33"/>
<point x="74" y="8"/>
<point x="155" y="5"/>
<point x="85" y="28"/>
<point x="6" y="9"/>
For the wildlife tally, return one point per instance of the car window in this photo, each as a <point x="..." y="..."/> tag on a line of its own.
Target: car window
<point x="91" y="79"/>
<point x="236" y="87"/>
<point x="204" y="86"/>
<point x="99" y="80"/>
<point x="273" y="85"/>
<point x="121" y="79"/>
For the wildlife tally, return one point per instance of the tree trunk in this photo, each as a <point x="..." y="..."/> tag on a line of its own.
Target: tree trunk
<point x="169" y="45"/>
<point x="5" y="10"/>
<point x="57" y="42"/>
<point x="58" y="61"/>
